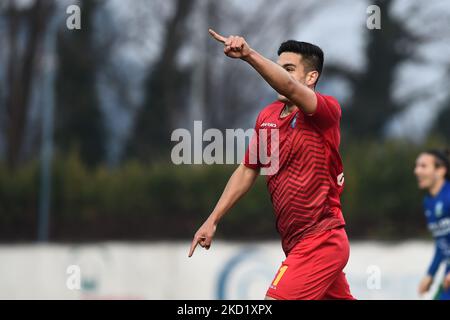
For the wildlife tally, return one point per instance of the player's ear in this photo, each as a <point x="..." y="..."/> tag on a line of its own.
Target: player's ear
<point x="311" y="78"/>
<point x="442" y="171"/>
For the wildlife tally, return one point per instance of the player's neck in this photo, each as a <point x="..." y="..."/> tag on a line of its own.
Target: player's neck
<point x="289" y="108"/>
<point x="436" y="188"/>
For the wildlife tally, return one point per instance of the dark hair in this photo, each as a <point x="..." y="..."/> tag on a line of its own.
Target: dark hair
<point x="312" y="55"/>
<point x="442" y="159"/>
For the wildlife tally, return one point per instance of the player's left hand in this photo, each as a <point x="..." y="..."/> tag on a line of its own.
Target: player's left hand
<point x="447" y="281"/>
<point x="235" y="47"/>
<point x="203" y="236"/>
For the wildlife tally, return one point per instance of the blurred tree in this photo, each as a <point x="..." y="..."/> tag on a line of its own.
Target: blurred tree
<point x="442" y="124"/>
<point x="79" y="121"/>
<point x="372" y="103"/>
<point x="26" y="28"/>
<point x="165" y="90"/>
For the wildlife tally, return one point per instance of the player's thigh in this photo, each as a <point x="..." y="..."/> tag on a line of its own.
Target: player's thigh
<point x="339" y="289"/>
<point x="311" y="268"/>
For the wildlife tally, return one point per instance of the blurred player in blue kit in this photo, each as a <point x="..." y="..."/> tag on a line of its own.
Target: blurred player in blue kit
<point x="433" y="175"/>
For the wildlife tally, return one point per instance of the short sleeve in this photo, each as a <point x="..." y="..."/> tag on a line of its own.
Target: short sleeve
<point x="251" y="159"/>
<point x="328" y="112"/>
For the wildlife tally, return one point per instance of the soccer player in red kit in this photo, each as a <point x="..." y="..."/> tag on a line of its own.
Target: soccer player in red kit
<point x="305" y="189"/>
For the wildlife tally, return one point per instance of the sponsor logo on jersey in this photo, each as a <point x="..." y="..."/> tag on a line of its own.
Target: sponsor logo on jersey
<point x="268" y="124"/>
<point x="439" y="209"/>
<point x="294" y="121"/>
<point x="440" y="228"/>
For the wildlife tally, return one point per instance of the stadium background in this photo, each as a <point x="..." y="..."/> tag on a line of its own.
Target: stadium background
<point x="86" y="117"/>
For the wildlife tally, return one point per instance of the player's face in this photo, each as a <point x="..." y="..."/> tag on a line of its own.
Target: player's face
<point x="291" y="62"/>
<point x="426" y="171"/>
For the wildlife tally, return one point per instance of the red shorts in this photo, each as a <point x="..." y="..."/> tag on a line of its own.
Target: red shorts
<point x="313" y="269"/>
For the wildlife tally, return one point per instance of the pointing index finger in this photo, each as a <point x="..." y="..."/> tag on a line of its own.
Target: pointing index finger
<point x="193" y="246"/>
<point x="217" y="36"/>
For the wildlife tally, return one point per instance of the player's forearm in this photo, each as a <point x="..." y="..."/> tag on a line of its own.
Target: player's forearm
<point x="239" y="183"/>
<point x="435" y="263"/>
<point x="279" y="79"/>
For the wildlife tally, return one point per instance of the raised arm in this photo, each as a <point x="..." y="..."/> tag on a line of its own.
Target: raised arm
<point x="276" y="76"/>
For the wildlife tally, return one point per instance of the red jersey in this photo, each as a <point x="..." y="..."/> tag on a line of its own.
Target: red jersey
<point x="305" y="191"/>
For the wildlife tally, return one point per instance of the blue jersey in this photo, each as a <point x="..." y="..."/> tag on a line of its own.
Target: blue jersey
<point x="437" y="212"/>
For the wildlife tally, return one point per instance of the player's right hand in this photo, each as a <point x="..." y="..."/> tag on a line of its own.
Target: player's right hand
<point x="234" y="46"/>
<point x="425" y="284"/>
<point x="203" y="236"/>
